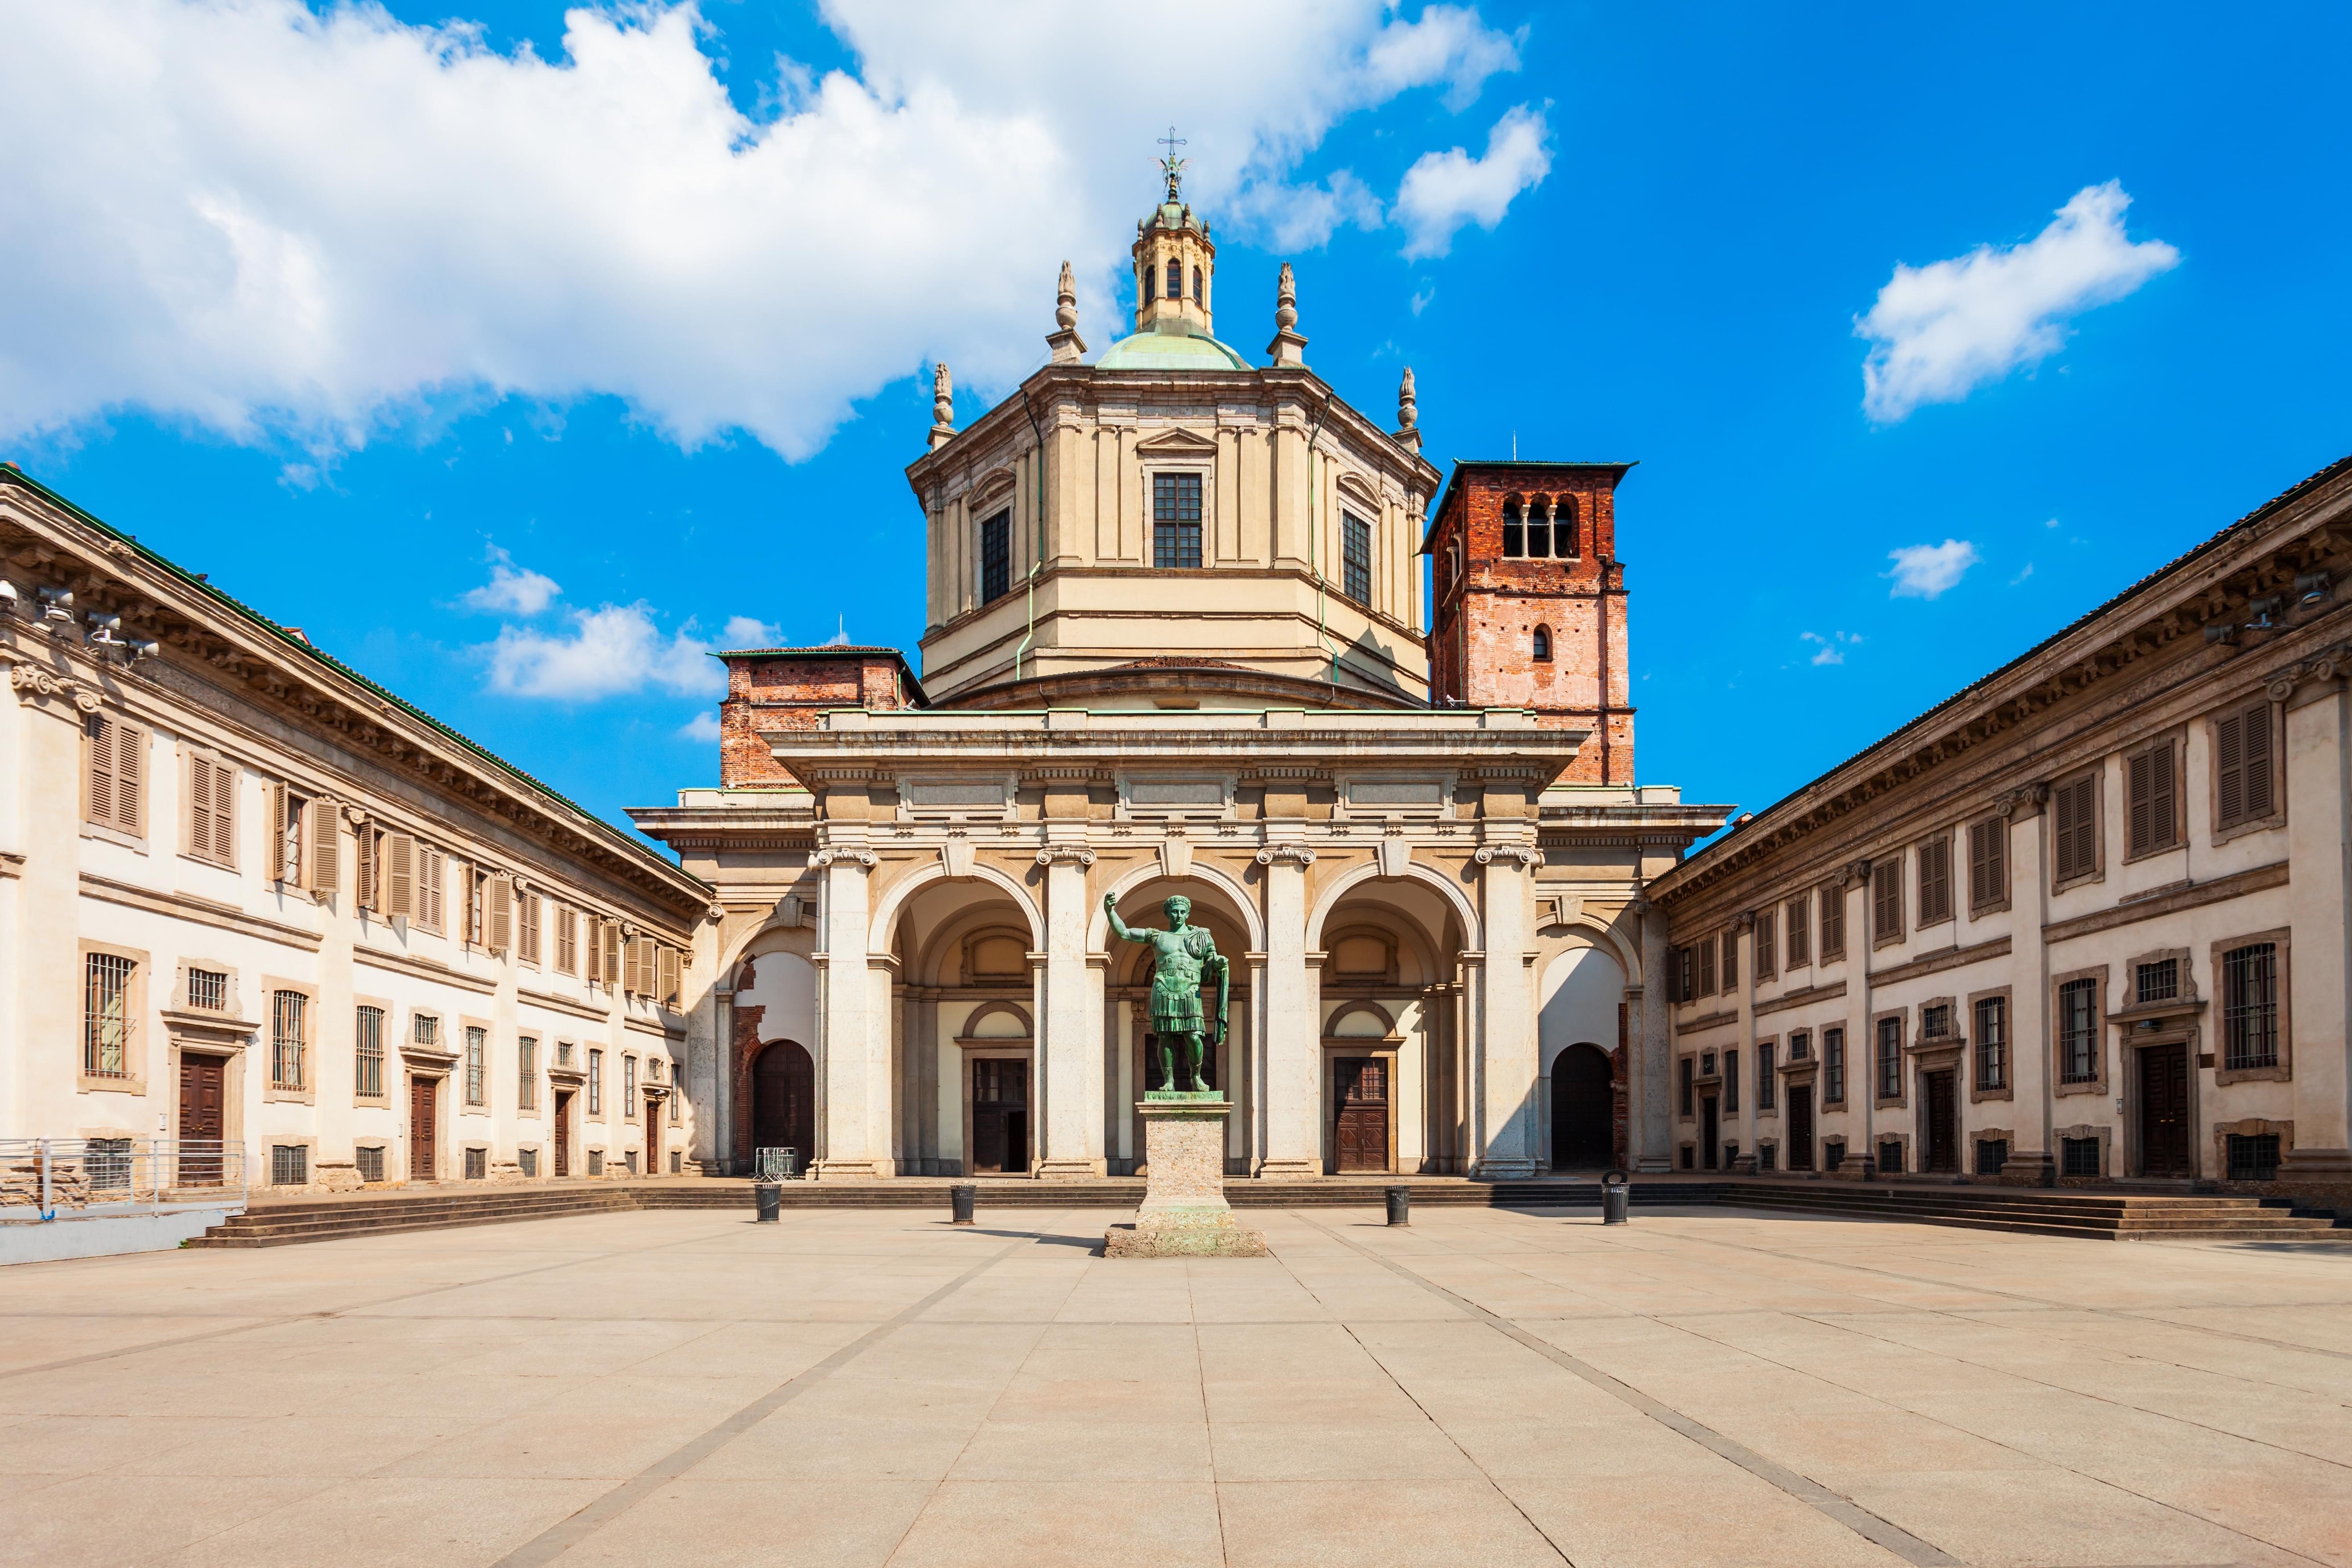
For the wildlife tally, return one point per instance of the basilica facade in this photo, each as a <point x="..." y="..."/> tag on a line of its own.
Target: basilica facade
<point x="1177" y="644"/>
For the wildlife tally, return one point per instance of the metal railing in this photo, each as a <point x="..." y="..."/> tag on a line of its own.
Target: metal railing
<point x="776" y="1164"/>
<point x="43" y="1178"/>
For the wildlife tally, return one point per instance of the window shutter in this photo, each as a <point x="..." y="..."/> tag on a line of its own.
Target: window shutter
<point x="101" y="732"/>
<point x="499" y="896"/>
<point x="612" y="959"/>
<point x="322" y="836"/>
<point x="2230" y="767"/>
<point x="364" y="887"/>
<point x="670" y="965"/>
<point x="2259" y="804"/>
<point x="633" y="979"/>
<point x="129" y="750"/>
<point x="432" y="884"/>
<point x="198" y="839"/>
<point x="278" y="871"/>
<point x="2141" y="773"/>
<point x="2077" y="846"/>
<point x="592" y="930"/>
<point x="400" y="874"/>
<point x="223" y="811"/>
<point x="1985" y="846"/>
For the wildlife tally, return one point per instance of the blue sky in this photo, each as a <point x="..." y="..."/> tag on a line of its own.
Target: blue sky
<point x="514" y="383"/>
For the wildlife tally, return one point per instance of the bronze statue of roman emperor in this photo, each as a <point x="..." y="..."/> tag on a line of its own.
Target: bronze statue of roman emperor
<point x="1185" y="954"/>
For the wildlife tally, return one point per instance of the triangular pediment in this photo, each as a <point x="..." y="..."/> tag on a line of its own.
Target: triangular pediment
<point x="1172" y="443"/>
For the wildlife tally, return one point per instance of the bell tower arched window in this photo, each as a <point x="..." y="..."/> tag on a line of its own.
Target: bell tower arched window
<point x="1148" y="278"/>
<point x="1543" y="645"/>
<point x="1175" y="279"/>
<point x="1515" y="533"/>
<point x="1196" y="286"/>
<point x="1539" y="530"/>
<point x="1564" y="539"/>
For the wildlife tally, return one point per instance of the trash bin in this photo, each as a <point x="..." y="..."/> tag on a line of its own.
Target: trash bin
<point x="1614" y="1192"/>
<point x="1400" y="1206"/>
<point x="771" y="1199"/>
<point x="962" y="1195"/>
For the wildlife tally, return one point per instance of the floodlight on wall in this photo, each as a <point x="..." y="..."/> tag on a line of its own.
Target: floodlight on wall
<point x="2221" y="632"/>
<point x="139" y="650"/>
<point x="2314" y="588"/>
<point x="56" y="604"/>
<point x="8" y="595"/>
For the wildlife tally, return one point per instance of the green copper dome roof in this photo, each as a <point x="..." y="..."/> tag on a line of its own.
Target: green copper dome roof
<point x="1170" y="351"/>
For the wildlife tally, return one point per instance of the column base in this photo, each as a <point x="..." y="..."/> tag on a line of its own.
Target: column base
<point x="1857" y="1166"/>
<point x="2316" y="1163"/>
<point x="1653" y="1166"/>
<point x="1509" y="1168"/>
<point x="1071" y="1170"/>
<point x="1288" y="1170"/>
<point x="852" y="1170"/>
<point x="2029" y="1168"/>
<point x="1744" y="1165"/>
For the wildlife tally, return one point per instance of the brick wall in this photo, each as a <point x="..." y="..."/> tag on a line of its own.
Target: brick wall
<point x="792" y="691"/>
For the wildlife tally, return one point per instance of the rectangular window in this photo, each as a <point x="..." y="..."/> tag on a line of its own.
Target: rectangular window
<point x="424" y="1029"/>
<point x="290" y="1017"/>
<point x="207" y="990"/>
<point x="526" y="1073"/>
<point x="1890" y="1158"/>
<point x="1685" y="1087"/>
<point x="1935" y="880"/>
<point x="676" y="1106"/>
<point x="595" y="1083"/>
<point x="595" y="1161"/>
<point x="431" y="879"/>
<point x="1730" y="1080"/>
<point x="290" y="818"/>
<point x="2152" y="818"/>
<point x="1356" y="557"/>
<point x="1768" y="959"/>
<point x="2078" y="1156"/>
<point x="996" y="557"/>
<point x="1801" y="1046"/>
<point x="1832" y="1067"/>
<point x="1886" y="900"/>
<point x="114" y="779"/>
<point x="370" y="1162"/>
<point x="527" y="1161"/>
<point x="1993" y="1042"/>
<point x="1175" y="519"/>
<point x="477" y="1164"/>
<point x="1730" y="961"/>
<point x="477" y="1047"/>
<point x="1935" y="1021"/>
<point x="2074" y="830"/>
<point x="212" y="810"/>
<point x="2157" y="981"/>
<point x="567" y="940"/>
<point x="628" y="1086"/>
<point x="1800" y="935"/>
<point x="527" y="936"/>
<point x="1685" y="975"/>
<point x="2250" y="995"/>
<point x="473" y="882"/>
<point x="106" y="1016"/>
<point x="1890" y="1058"/>
<point x="1768" y="1157"/>
<point x="1988" y="863"/>
<point x="2253" y="1157"/>
<point x="1832" y="923"/>
<point x="2078" y="1032"/>
<point x="1833" y="1154"/>
<point x="1706" y="967"/>
<point x="1992" y="1153"/>
<point x="2243" y="779"/>
<point x="368" y="1056"/>
<point x="367" y="868"/>
<point x="289" y="1164"/>
<point x="631" y="1156"/>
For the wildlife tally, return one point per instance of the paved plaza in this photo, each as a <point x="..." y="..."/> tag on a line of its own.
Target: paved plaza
<point x="1483" y="1388"/>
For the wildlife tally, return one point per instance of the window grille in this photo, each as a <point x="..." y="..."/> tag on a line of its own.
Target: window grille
<point x="1356" y="557"/>
<point x="1890" y="1159"/>
<point x="1988" y="863"/>
<point x="106" y="1017"/>
<point x="2242" y="766"/>
<point x="1935" y="880"/>
<point x="1800" y="949"/>
<point x="628" y="1086"/>
<point x="1539" y="531"/>
<point x="1801" y="1046"/>
<point x="370" y="1162"/>
<point x="1768" y="1095"/>
<point x="2157" y="982"/>
<point x="527" y="1162"/>
<point x="106" y="1165"/>
<point x="1834" y="1067"/>
<point x="1992" y="1153"/>
<point x="2253" y="1157"/>
<point x="477" y="1164"/>
<point x="677" y="1107"/>
<point x="2078" y="1156"/>
<point x="1833" y="1154"/>
<point x="632" y="1158"/>
<point x="1992" y="1043"/>
<point x="526" y="1073"/>
<point x="207" y="990"/>
<point x="368" y="1058"/>
<point x="425" y="1030"/>
<point x="595" y="1161"/>
<point x="477" y="1042"/>
<point x="1564" y="541"/>
<point x="289" y="1016"/>
<point x="1935" y="1021"/>
<point x="1886" y="900"/>
<point x="1731" y="1156"/>
<point x="1768" y="1157"/>
<point x="1515" y="533"/>
<point x="2250" y="1006"/>
<point x="1542" y="646"/>
<point x="289" y="1164"/>
<point x="595" y="1086"/>
<point x="2078" y="1031"/>
<point x="564" y="1053"/>
<point x="677" y="1162"/>
<point x="1686" y="1096"/>
<point x="1707" y="1064"/>
<point x="1176" y="519"/>
<point x="1730" y="1081"/>
<point x="1832" y="922"/>
<point x="996" y="557"/>
<point x="1890" y="1058"/>
<point x="2074" y="816"/>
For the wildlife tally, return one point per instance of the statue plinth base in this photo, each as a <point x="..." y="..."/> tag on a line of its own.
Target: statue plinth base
<point x="1185" y="1213"/>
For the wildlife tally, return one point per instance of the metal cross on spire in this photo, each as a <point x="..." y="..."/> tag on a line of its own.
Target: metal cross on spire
<point x="1171" y="165"/>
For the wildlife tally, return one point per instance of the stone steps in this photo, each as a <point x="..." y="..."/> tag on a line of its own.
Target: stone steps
<point x="2128" y="1216"/>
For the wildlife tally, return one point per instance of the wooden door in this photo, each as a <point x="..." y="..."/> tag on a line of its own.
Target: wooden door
<point x="562" y="1134"/>
<point x="424" y="1124"/>
<point x="1360" y="1087"/>
<point x="2164" y="1111"/>
<point x="1000" y="1116"/>
<point x="1801" y="1127"/>
<point x="1710" y="1150"/>
<point x="203" y="1118"/>
<point x="1943" y="1123"/>
<point x="653" y="1133"/>
<point x="1583" y="1109"/>
<point x="783" y="1100"/>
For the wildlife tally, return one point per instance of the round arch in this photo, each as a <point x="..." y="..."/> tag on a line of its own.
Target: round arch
<point x="1413" y="872"/>
<point x="879" y="927"/>
<point x="1099" y="925"/>
<point x="1576" y="1000"/>
<point x="1608" y="940"/>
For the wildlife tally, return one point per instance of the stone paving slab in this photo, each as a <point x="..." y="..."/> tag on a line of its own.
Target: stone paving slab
<point x="1488" y="1386"/>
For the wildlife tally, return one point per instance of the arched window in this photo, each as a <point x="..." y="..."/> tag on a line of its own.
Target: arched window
<point x="1149" y="276"/>
<point x="1515" y="540"/>
<point x="1196" y="286"/>
<point x="1539" y="530"/>
<point x="1543" y="645"/>
<point x="1175" y="279"/>
<point x="1564" y="527"/>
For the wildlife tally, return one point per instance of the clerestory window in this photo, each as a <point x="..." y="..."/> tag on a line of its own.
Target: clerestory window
<point x="1176" y="519"/>
<point x="996" y="557"/>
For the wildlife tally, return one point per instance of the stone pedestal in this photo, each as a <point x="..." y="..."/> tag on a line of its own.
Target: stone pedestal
<point x="1185" y="1213"/>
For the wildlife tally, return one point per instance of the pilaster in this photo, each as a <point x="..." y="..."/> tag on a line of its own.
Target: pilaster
<point x="853" y="1042"/>
<point x="1070" y="1047"/>
<point x="1291" y="1078"/>
<point x="1507" y="1055"/>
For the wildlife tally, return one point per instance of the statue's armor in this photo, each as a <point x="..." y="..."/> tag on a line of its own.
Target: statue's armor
<point x="1176" y="978"/>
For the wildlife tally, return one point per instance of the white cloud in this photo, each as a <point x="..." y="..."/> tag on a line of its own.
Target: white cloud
<point x="282" y="225"/>
<point x="1831" y="650"/>
<point x="513" y="590"/>
<point x="745" y="631"/>
<point x="2021" y="576"/>
<point x="1422" y="296"/>
<point x="1940" y="332"/>
<point x="703" y="726"/>
<point x="1444" y="191"/>
<point x="1302" y="217"/>
<point x="1927" y="571"/>
<point x="607" y="652"/>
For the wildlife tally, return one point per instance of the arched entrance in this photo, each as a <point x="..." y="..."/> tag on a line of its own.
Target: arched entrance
<point x="783" y="1100"/>
<point x="1583" y="1135"/>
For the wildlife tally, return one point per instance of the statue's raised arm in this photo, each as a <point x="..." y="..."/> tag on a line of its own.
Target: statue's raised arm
<point x="1118" y="928"/>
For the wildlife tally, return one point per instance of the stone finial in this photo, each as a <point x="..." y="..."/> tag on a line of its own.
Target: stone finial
<point x="942" y="406"/>
<point x="1064" y="340"/>
<point x="1287" y="347"/>
<point x="1408" y="431"/>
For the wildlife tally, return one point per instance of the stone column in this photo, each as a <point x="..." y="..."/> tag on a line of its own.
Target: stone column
<point x="1291" y="1078"/>
<point x="853" y="1042"/>
<point x="1507" y="1044"/>
<point x="1248" y="1089"/>
<point x="1649" y="1073"/>
<point x="1070" y="1043"/>
<point x="2319" y="963"/>
<point x="2032" y="1156"/>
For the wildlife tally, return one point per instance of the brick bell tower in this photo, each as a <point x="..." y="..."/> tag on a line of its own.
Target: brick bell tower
<point x="1529" y="603"/>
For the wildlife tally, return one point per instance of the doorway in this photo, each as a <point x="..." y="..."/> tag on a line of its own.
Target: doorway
<point x="203" y="1118"/>
<point x="424" y="1127"/>
<point x="2164" y="1111"/>
<point x="1583" y="1119"/>
<point x="1708" y="1131"/>
<point x="1943" y="1122"/>
<point x="652" y="1132"/>
<point x="563" y="1133"/>
<point x="1000" y="1116"/>
<point x="784" y="1101"/>
<point x="1360" y="1084"/>
<point x="1801" y="1127"/>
